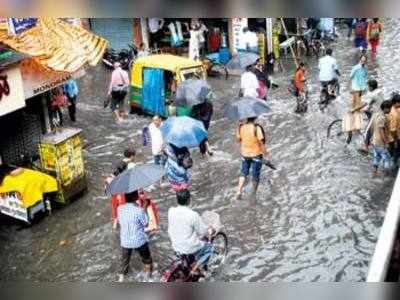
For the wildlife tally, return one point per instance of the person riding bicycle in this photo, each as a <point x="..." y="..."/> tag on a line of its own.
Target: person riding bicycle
<point x="328" y="73"/>
<point x="186" y="231"/>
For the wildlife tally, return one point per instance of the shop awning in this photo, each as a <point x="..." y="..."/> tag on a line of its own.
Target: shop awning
<point x="58" y="45"/>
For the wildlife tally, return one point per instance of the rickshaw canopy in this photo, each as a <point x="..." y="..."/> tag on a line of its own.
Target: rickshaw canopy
<point x="166" y="62"/>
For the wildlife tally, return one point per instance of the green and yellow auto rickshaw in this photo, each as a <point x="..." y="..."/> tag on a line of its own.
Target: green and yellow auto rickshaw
<point x="154" y="80"/>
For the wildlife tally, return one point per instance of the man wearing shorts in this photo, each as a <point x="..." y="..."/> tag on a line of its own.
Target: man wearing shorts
<point x="252" y="143"/>
<point x="117" y="91"/>
<point x="133" y="222"/>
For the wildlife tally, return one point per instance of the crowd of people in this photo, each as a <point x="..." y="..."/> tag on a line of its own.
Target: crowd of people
<point x="137" y="214"/>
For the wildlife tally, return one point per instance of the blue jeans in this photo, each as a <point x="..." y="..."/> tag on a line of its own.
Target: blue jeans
<point x="255" y="163"/>
<point x="381" y="154"/>
<point x="203" y="255"/>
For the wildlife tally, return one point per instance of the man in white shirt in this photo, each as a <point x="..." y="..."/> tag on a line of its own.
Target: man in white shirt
<point x="249" y="41"/>
<point x="249" y="83"/>
<point x="156" y="140"/>
<point x="328" y="70"/>
<point x="186" y="230"/>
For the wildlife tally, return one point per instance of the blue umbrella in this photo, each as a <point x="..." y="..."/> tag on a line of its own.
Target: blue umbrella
<point x="247" y="107"/>
<point x="183" y="132"/>
<point x="134" y="179"/>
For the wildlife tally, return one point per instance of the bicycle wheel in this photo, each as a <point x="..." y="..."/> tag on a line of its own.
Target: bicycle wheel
<point x="176" y="273"/>
<point x="220" y="243"/>
<point x="335" y="129"/>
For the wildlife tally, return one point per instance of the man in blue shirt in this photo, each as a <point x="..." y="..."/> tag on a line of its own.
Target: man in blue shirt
<point x="71" y="91"/>
<point x="133" y="221"/>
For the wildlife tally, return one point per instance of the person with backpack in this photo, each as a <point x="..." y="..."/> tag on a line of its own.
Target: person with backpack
<point x="360" y="40"/>
<point x="177" y="166"/>
<point x="251" y="137"/>
<point x="374" y="31"/>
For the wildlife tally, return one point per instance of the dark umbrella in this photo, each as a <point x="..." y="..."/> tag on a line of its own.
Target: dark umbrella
<point x="192" y="92"/>
<point x="134" y="179"/>
<point x="242" y="60"/>
<point x="247" y="107"/>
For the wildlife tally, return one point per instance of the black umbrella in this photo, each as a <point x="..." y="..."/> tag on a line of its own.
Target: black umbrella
<point x="134" y="179"/>
<point x="246" y="107"/>
<point x="192" y="92"/>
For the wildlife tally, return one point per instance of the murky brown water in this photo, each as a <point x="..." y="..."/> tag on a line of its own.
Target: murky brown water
<point x="315" y="219"/>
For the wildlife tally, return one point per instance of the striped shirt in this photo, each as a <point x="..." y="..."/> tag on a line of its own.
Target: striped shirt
<point x="133" y="221"/>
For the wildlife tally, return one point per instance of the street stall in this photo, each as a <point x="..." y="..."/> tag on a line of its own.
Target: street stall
<point x="24" y="192"/>
<point x="154" y="79"/>
<point x="50" y="52"/>
<point x="61" y="156"/>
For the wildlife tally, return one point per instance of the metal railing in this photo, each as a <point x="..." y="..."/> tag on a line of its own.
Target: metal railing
<point x="379" y="265"/>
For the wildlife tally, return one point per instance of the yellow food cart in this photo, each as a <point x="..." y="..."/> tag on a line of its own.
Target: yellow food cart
<point x="61" y="156"/>
<point x="24" y="193"/>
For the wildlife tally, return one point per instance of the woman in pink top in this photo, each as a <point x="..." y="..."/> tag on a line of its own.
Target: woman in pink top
<point x="117" y="91"/>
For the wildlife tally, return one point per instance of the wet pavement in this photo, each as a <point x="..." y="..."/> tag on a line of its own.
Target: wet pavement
<point x="316" y="218"/>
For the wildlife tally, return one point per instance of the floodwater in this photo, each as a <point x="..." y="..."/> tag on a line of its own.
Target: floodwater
<point x="316" y="218"/>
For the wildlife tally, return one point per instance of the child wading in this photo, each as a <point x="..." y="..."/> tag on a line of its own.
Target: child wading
<point x="380" y="140"/>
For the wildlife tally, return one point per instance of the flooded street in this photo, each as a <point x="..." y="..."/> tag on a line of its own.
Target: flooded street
<point x="316" y="218"/>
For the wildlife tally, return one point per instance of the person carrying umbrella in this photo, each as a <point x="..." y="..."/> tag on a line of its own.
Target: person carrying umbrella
<point x="132" y="218"/>
<point x="251" y="137"/>
<point x="181" y="133"/>
<point x="133" y="222"/>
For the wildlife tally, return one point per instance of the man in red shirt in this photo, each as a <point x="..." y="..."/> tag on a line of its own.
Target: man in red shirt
<point x="373" y="33"/>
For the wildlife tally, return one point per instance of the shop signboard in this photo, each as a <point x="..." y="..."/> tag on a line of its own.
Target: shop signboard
<point x="238" y="24"/>
<point x="19" y="25"/>
<point x="38" y="80"/>
<point x="11" y="91"/>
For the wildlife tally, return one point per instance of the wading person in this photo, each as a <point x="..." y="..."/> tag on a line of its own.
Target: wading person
<point x="251" y="137"/>
<point x="57" y="102"/>
<point x="374" y="31"/>
<point x="300" y="86"/>
<point x="394" y="128"/>
<point x="374" y="99"/>
<point x="118" y="90"/>
<point x="203" y="112"/>
<point x="380" y="141"/>
<point x="71" y="91"/>
<point x="358" y="77"/>
<point x="360" y="31"/>
<point x="133" y="222"/>
<point x="157" y="142"/>
<point x="249" y="83"/>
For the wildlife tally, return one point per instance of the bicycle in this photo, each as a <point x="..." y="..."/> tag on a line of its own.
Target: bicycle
<point x="180" y="270"/>
<point x="329" y="92"/>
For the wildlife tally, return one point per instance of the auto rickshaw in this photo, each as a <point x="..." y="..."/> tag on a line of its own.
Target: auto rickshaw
<point x="154" y="80"/>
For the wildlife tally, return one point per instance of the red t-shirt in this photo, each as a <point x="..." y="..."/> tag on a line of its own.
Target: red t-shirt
<point x="299" y="79"/>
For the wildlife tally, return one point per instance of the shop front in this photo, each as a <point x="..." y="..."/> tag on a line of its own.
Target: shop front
<point x="38" y="161"/>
